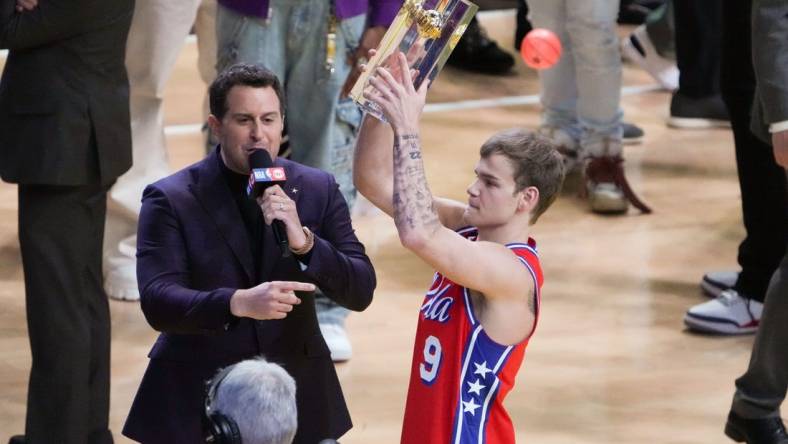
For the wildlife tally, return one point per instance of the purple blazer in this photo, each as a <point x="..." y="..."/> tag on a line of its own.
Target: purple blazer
<point x="192" y="254"/>
<point x="380" y="12"/>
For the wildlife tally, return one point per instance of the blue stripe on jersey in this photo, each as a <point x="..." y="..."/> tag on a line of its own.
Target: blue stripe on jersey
<point x="478" y="386"/>
<point x="466" y="230"/>
<point x="536" y="282"/>
<point x="493" y="391"/>
<point x="526" y="246"/>
<point x="469" y="305"/>
<point x="481" y="383"/>
<point x="465" y="360"/>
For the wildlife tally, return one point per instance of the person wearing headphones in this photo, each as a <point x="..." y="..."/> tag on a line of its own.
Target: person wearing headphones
<point x="251" y="402"/>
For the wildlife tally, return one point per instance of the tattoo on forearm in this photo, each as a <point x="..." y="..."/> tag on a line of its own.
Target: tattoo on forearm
<point x="412" y="199"/>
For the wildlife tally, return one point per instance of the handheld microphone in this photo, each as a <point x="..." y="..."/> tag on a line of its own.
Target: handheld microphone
<point x="265" y="174"/>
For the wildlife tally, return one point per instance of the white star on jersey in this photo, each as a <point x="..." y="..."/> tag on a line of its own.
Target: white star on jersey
<point x="475" y="387"/>
<point x="481" y="369"/>
<point x="470" y="406"/>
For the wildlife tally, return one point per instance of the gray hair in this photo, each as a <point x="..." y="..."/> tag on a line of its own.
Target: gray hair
<point x="260" y="397"/>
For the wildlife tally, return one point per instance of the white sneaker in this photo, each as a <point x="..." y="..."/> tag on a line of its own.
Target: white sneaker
<point x="714" y="282"/>
<point x="639" y="49"/>
<point x="337" y="341"/>
<point x="120" y="272"/>
<point x="607" y="198"/>
<point x="729" y="314"/>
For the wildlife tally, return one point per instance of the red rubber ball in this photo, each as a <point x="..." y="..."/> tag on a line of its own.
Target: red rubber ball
<point x="540" y="48"/>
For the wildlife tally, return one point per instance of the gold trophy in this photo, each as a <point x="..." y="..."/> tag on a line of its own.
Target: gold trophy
<point x="426" y="32"/>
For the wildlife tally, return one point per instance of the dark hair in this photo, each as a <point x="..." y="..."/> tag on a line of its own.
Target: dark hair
<point x="244" y="74"/>
<point x="536" y="163"/>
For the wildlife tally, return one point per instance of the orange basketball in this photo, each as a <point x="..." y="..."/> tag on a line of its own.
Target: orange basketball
<point x="541" y="48"/>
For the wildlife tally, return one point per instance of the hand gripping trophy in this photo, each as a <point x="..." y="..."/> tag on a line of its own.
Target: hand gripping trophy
<point x="426" y="32"/>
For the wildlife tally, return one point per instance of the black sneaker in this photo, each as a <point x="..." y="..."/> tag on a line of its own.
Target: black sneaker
<point x="756" y="431"/>
<point x="632" y="133"/>
<point x="524" y="26"/>
<point x="634" y="12"/>
<point x="475" y="52"/>
<point x="706" y="112"/>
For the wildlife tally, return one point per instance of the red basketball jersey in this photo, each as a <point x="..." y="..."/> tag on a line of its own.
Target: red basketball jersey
<point x="459" y="377"/>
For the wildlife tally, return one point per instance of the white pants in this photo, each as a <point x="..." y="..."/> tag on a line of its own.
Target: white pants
<point x="158" y="31"/>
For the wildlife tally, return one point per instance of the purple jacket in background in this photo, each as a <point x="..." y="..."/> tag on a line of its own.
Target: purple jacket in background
<point x="381" y="12"/>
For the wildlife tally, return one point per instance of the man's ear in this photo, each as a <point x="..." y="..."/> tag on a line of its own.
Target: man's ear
<point x="527" y="199"/>
<point x="216" y="126"/>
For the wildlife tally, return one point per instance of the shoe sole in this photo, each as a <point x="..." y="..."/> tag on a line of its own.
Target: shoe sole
<point x="608" y="205"/>
<point x="696" y="123"/>
<point x="734" y="433"/>
<point x="119" y="294"/>
<point x="721" y="328"/>
<point x="124" y="298"/>
<point x="341" y="357"/>
<point x="632" y="140"/>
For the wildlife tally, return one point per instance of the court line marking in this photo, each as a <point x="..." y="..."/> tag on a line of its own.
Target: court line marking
<point x="533" y="99"/>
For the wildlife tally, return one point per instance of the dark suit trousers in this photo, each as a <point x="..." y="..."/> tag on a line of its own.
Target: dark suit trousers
<point x="698" y="27"/>
<point x="762" y="180"/>
<point x="61" y="229"/>
<point x="761" y="390"/>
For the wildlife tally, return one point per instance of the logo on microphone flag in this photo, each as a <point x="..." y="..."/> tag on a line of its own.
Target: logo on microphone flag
<point x="275" y="174"/>
<point x="262" y="176"/>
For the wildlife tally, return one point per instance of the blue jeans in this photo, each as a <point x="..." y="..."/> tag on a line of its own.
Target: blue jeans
<point x="581" y="93"/>
<point x="292" y="44"/>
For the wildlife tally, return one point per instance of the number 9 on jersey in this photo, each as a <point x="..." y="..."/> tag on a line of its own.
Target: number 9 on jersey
<point x="429" y="368"/>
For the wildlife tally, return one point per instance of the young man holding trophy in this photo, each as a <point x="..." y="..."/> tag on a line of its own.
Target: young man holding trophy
<point x="483" y="304"/>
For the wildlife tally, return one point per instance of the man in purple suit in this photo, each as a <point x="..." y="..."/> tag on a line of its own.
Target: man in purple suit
<point x="213" y="280"/>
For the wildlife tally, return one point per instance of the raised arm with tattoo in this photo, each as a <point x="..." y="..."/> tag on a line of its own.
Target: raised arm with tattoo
<point x="374" y="154"/>
<point x="414" y="212"/>
<point x="395" y="181"/>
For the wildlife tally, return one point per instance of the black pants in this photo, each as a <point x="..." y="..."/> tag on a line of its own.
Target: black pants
<point x="61" y="230"/>
<point x="698" y="29"/>
<point x="762" y="180"/>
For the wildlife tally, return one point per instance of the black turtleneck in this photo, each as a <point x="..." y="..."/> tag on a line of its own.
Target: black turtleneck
<point x="251" y="214"/>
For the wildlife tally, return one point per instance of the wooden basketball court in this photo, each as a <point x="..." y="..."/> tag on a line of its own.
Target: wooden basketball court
<point x="610" y="362"/>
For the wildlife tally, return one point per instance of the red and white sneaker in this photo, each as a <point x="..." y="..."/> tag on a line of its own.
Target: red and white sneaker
<point x="728" y="314"/>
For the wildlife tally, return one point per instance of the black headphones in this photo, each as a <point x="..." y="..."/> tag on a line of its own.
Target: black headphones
<point x="219" y="428"/>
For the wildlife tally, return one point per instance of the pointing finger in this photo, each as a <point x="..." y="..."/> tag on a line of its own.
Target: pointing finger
<point x="295" y="286"/>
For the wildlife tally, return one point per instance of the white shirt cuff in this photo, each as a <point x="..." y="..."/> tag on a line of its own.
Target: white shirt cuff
<point x="776" y="127"/>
